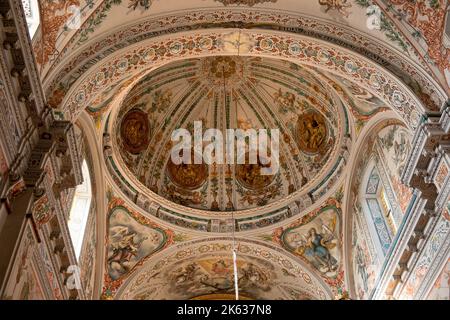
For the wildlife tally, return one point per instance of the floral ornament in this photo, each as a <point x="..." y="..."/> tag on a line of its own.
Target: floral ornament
<point x="385" y="25"/>
<point x="42" y="211"/>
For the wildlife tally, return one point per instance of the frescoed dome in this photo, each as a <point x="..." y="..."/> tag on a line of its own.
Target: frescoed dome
<point x="229" y="92"/>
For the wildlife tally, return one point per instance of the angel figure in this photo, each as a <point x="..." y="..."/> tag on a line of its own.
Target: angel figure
<point x="340" y="5"/>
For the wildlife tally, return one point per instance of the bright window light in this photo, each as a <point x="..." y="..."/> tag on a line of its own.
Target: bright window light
<point x="31" y="10"/>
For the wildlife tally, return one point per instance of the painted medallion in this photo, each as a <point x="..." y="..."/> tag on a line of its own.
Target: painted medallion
<point x="134" y="131"/>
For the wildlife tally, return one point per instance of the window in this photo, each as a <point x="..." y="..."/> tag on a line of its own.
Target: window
<point x="31" y="10"/>
<point x="80" y="210"/>
<point x="377" y="210"/>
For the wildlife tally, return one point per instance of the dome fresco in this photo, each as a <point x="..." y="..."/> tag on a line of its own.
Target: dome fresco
<point x="229" y="92"/>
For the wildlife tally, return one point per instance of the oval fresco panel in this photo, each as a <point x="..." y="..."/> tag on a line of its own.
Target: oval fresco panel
<point x="250" y="177"/>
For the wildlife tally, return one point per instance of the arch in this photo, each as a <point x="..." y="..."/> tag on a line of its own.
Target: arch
<point x="298" y="49"/>
<point x="415" y="74"/>
<point x="349" y="191"/>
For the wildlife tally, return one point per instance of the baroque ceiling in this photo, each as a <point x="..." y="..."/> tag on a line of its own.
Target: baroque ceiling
<point x="204" y="271"/>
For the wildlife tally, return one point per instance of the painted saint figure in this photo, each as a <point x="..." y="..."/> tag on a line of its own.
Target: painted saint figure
<point x="316" y="248"/>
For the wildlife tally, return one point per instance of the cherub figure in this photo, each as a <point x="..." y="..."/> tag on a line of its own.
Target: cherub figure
<point x="340" y="5"/>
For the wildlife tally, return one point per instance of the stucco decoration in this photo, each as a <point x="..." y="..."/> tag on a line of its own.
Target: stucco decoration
<point x="341" y="6"/>
<point x="378" y="202"/>
<point x="426" y="21"/>
<point x="362" y="104"/>
<point x="346" y="100"/>
<point x="395" y="143"/>
<point x="435" y="250"/>
<point x="229" y="92"/>
<point x="94" y="16"/>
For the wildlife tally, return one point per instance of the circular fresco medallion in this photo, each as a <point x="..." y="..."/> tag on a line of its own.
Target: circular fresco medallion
<point x="198" y="197"/>
<point x="134" y="131"/>
<point x="187" y="176"/>
<point x="311" y="132"/>
<point x="250" y="177"/>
